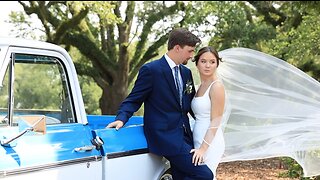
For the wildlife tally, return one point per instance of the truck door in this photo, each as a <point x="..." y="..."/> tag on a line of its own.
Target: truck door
<point x="40" y="133"/>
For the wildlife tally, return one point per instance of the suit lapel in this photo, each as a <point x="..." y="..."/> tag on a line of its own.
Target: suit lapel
<point x="167" y="73"/>
<point x="184" y="78"/>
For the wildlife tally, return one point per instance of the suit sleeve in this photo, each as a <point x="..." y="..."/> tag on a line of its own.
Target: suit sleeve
<point x="139" y="93"/>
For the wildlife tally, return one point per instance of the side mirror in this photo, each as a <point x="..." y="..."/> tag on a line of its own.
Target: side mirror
<point x="36" y="123"/>
<point x="28" y="123"/>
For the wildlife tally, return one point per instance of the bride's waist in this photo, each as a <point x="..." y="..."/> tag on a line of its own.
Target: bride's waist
<point x="204" y="123"/>
<point x="203" y="119"/>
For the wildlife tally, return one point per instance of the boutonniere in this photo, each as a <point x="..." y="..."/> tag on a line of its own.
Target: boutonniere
<point x="188" y="89"/>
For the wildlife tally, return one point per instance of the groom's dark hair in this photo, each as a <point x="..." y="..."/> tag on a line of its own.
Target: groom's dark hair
<point x="182" y="37"/>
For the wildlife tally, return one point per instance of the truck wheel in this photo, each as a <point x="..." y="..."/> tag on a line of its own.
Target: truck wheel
<point x="167" y="175"/>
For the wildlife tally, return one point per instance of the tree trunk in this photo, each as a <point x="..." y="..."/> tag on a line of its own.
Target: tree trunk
<point x="111" y="99"/>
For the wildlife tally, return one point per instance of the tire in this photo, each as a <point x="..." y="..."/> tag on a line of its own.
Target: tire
<point x="166" y="175"/>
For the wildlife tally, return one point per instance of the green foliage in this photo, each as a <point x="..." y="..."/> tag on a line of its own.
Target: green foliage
<point x="294" y="170"/>
<point x="101" y="8"/>
<point x="24" y="26"/>
<point x="115" y="38"/>
<point x="287" y="30"/>
<point x="237" y="27"/>
<point x="300" y="46"/>
<point x="91" y="94"/>
<point x="44" y="96"/>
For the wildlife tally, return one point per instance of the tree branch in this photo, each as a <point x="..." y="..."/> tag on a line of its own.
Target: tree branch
<point x="86" y="70"/>
<point x="90" y="50"/>
<point x="69" y="24"/>
<point x="148" y="55"/>
<point x="266" y="10"/>
<point x="152" y="19"/>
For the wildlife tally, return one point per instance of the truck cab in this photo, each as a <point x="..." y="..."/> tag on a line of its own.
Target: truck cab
<point x="45" y="131"/>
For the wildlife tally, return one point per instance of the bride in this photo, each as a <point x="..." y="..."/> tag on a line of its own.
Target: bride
<point x="208" y="107"/>
<point x="271" y="109"/>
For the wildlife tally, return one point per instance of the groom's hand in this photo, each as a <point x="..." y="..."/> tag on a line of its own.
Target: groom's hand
<point x="116" y="124"/>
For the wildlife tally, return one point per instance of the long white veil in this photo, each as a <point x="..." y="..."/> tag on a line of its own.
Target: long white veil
<point x="272" y="109"/>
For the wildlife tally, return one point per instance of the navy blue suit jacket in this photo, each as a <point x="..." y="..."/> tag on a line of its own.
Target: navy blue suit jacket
<point x="164" y="118"/>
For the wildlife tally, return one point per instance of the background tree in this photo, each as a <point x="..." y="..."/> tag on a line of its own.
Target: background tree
<point x="112" y="51"/>
<point x="284" y="29"/>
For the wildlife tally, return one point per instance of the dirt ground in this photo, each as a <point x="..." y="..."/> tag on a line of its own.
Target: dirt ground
<point x="265" y="169"/>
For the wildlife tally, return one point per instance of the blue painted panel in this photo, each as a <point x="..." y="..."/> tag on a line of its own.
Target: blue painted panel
<point x="101" y="121"/>
<point x="60" y="140"/>
<point x="56" y="145"/>
<point x="130" y="137"/>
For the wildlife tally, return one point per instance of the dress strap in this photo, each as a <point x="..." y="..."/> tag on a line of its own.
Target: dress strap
<point x="214" y="82"/>
<point x="211" y="85"/>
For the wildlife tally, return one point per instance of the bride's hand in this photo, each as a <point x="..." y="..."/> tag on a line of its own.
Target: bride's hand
<point x="198" y="156"/>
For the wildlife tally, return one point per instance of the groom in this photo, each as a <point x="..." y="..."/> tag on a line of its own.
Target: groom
<point x="167" y="92"/>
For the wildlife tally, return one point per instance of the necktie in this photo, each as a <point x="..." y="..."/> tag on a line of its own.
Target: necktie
<point x="178" y="83"/>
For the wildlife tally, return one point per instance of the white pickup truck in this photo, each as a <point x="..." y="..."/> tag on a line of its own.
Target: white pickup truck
<point x="45" y="132"/>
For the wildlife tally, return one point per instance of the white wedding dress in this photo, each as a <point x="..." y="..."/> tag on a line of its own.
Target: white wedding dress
<point x="201" y="107"/>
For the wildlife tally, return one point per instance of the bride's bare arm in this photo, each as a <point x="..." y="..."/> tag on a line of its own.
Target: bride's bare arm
<point x="217" y="98"/>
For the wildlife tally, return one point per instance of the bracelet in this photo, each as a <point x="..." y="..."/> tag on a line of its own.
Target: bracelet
<point x="206" y="142"/>
<point x="213" y="127"/>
